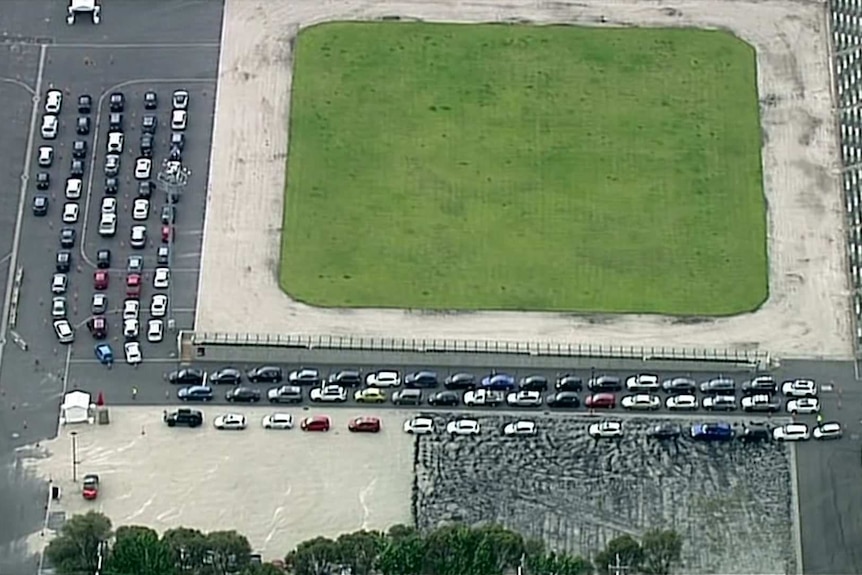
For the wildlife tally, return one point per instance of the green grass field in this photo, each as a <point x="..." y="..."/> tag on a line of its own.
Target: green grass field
<point x="524" y="168"/>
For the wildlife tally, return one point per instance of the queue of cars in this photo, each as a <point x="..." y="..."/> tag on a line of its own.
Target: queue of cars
<point x="72" y="213"/>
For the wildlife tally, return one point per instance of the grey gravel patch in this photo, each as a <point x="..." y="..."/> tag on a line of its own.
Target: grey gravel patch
<point x="731" y="502"/>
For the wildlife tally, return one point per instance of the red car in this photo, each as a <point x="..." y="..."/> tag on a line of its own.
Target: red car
<point x="98" y="326"/>
<point x="100" y="279"/>
<point x="315" y="423"/>
<point x="364" y="424"/>
<point x="166" y="234"/>
<point x="601" y="401"/>
<point x="133" y="286"/>
<point x="90" y="489"/>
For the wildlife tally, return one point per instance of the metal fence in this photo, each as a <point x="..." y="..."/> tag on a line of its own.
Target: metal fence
<point x="194" y="344"/>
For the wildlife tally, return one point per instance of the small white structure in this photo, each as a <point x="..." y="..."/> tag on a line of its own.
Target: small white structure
<point x="75" y="408"/>
<point x="90" y="7"/>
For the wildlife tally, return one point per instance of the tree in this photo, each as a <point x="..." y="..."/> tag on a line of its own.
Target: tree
<point x="228" y="552"/>
<point x="187" y="547"/>
<point x="360" y="550"/>
<point x="450" y="550"/>
<point x="661" y="551"/>
<point x="78" y="546"/>
<point x="313" y="557"/>
<point x="262" y="569"/>
<point x="553" y="563"/>
<point x="506" y="546"/>
<point x="138" y="551"/>
<point x="626" y="549"/>
<point x="403" y="554"/>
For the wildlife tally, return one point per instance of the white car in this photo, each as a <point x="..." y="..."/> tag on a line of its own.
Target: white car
<point x="108" y="225"/>
<point x="830" y="430"/>
<point x="46" y="156"/>
<point x="643" y="382"/>
<point x="463" y="427"/>
<point x="155" y="330"/>
<point x="141" y="209"/>
<point x="605" y="430"/>
<point x="277" y="421"/>
<point x="131" y="309"/>
<point x="524" y="398"/>
<point x="328" y="394"/>
<point x="115" y="143"/>
<point x="719" y="402"/>
<point x="641" y="401"/>
<point x="681" y="403"/>
<point x="791" y="432"/>
<point x="180" y="100"/>
<point x="58" y="307"/>
<point x="383" y="379"/>
<point x="138" y="237"/>
<point x="522" y="427"/>
<point x="59" y="283"/>
<point x="803" y="405"/>
<point x="74" y="186"/>
<point x="159" y="305"/>
<point x="112" y="165"/>
<point x="799" y="388"/>
<point x="419" y="426"/>
<point x="131" y="328"/>
<point x="109" y="205"/>
<point x="143" y="168"/>
<point x="162" y="278"/>
<point x="53" y="101"/>
<point x="70" y="213"/>
<point x="133" y="352"/>
<point x="50" y="124"/>
<point x="179" y="120"/>
<point x="64" y="331"/>
<point x="230" y="421"/>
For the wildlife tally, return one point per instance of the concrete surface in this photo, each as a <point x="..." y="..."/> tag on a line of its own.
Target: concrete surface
<point x="730" y="502"/>
<point x="276" y="487"/>
<point x="807" y="314"/>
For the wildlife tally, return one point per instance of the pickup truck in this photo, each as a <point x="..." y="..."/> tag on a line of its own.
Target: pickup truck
<point x="483" y="397"/>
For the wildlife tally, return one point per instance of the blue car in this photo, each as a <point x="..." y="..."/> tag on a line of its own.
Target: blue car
<point x="195" y="393"/>
<point x="712" y="431"/>
<point x="104" y="353"/>
<point x="498" y="382"/>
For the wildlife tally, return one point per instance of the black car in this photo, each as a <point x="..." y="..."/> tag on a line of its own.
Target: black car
<point x="184" y="416"/>
<point x="533" y="383"/>
<point x="605" y="383"/>
<point x="679" y="385"/>
<point x="718" y="385"/>
<point x="175" y="155"/>
<point x="305" y="376"/>
<point x="266" y="374"/>
<point x="63" y="261"/>
<point x="43" y="180"/>
<point x="229" y="375"/>
<point x="665" y="431"/>
<point x="40" y="205"/>
<point x="148" y="124"/>
<point x="103" y="259"/>
<point x="163" y="255"/>
<point x="67" y="237"/>
<point x="187" y="376"/>
<point x="448" y="398"/>
<point x="569" y="382"/>
<point x="754" y="432"/>
<point x="147" y="145"/>
<point x="346" y="378"/>
<point x="145" y="189"/>
<point x="421" y="379"/>
<point x="112" y="185"/>
<point x="169" y="214"/>
<point x="115" y="122"/>
<point x="460" y="381"/>
<point x="563" y="399"/>
<point x="151" y="101"/>
<point x="79" y="149"/>
<point x="243" y="395"/>
<point x="117" y="101"/>
<point x="178" y="140"/>
<point x="85" y="104"/>
<point x="759" y="384"/>
<point x="82" y="126"/>
<point x="77" y="169"/>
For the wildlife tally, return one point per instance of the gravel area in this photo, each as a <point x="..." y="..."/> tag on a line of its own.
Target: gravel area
<point x="730" y="502"/>
<point x="806" y="315"/>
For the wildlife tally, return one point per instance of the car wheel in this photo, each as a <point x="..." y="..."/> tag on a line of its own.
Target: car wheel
<point x="172" y="424"/>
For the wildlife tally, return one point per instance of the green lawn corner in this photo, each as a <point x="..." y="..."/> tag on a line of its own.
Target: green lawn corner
<point x="467" y="167"/>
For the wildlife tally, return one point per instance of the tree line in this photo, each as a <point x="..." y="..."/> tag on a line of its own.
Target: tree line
<point x="88" y="545"/>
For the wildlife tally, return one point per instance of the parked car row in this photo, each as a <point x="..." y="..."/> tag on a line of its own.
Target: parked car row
<point x="283" y="421"/>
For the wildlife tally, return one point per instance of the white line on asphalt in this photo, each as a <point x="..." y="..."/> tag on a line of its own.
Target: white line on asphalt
<point x="66" y="374"/>
<point x="184" y="271"/>
<point x="139" y="46"/>
<point x="184" y="310"/>
<point x="189" y="255"/>
<point x="20" y="84"/>
<point x="5" y="258"/>
<point x="22" y="195"/>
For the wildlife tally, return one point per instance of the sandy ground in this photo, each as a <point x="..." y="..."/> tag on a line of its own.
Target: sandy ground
<point x="807" y="314"/>
<point x="276" y="487"/>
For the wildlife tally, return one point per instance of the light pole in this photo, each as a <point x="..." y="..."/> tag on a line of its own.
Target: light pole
<point x="74" y="456"/>
<point x="173" y="177"/>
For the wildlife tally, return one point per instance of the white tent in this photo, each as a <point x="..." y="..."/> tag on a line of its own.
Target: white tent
<point x="75" y="408"/>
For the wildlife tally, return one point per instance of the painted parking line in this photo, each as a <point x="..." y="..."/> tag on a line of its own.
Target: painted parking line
<point x="120" y="363"/>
